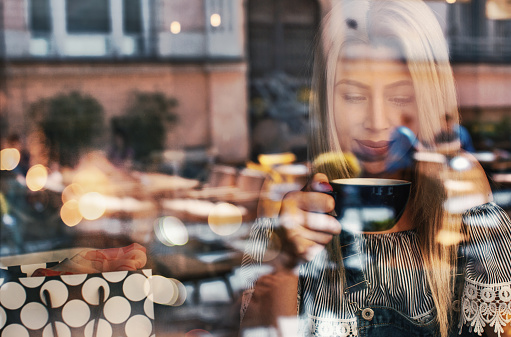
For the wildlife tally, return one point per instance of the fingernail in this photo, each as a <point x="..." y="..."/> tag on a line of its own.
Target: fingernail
<point x="322" y="187"/>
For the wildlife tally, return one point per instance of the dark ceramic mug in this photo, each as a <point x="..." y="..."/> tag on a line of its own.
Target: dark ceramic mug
<point x="368" y="204"/>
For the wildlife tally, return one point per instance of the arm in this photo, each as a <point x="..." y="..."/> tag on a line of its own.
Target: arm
<point x="304" y="229"/>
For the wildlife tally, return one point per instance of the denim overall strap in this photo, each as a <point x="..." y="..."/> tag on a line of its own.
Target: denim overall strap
<point x="378" y="321"/>
<point x="353" y="263"/>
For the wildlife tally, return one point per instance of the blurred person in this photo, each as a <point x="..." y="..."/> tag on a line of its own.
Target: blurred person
<point x="121" y="153"/>
<point x="444" y="268"/>
<point x="455" y="132"/>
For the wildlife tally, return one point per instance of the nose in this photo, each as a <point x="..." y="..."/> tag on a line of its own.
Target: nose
<point x="377" y="118"/>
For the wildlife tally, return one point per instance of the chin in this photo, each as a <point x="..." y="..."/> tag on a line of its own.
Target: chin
<point x="374" y="168"/>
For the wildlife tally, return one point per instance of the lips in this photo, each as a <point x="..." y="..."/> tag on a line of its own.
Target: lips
<point x="374" y="149"/>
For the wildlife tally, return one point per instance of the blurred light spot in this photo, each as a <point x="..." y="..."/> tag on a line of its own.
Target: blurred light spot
<point x="198" y="333"/>
<point x="171" y="231"/>
<point x="164" y="291"/>
<point x="175" y="27"/>
<point x="70" y="214"/>
<point x="431" y="157"/>
<point x="460" y="164"/>
<point x="449" y="238"/>
<point x="36" y="177"/>
<point x="485" y="156"/>
<point x="450" y="1"/>
<point x="459" y="186"/>
<point x="92" y="205"/>
<point x="181" y="292"/>
<point x="276" y="159"/>
<point x="458" y="205"/>
<point x="92" y="179"/>
<point x="72" y="192"/>
<point x="225" y="219"/>
<point x="9" y="159"/>
<point x="215" y="20"/>
<point x="8" y="220"/>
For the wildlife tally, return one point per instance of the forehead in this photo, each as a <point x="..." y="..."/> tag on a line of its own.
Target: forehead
<point x="362" y="60"/>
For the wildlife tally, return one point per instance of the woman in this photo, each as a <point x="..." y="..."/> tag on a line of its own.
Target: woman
<point x="382" y="66"/>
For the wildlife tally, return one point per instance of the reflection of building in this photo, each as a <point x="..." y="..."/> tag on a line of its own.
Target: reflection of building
<point x="481" y="54"/>
<point x="203" y="52"/>
<point x="192" y="50"/>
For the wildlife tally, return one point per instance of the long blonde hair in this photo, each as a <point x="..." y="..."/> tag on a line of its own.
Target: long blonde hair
<point x="410" y="25"/>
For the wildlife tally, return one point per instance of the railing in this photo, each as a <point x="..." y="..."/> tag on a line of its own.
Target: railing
<point x="495" y="49"/>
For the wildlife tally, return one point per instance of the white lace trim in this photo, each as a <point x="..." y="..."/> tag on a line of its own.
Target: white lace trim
<point x="483" y="305"/>
<point x="324" y="327"/>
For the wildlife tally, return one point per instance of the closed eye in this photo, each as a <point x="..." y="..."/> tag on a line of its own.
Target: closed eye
<point x="353" y="98"/>
<point x="401" y="100"/>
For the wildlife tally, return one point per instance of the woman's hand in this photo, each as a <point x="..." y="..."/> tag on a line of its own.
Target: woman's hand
<point x="305" y="228"/>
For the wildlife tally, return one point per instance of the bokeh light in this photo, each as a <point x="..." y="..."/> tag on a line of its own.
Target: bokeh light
<point x="171" y="231"/>
<point x="73" y="191"/>
<point x="165" y="291"/>
<point x="92" y="179"/>
<point x="460" y="163"/>
<point x="175" y="27"/>
<point x="9" y="159"/>
<point x="70" y="214"/>
<point x="215" y="20"/>
<point x="92" y="205"/>
<point x="36" y="177"/>
<point x="450" y="1"/>
<point x="181" y="292"/>
<point x="225" y="219"/>
<point x="449" y="238"/>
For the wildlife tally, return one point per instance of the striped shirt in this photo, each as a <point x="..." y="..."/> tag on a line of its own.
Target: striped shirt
<point x="393" y="266"/>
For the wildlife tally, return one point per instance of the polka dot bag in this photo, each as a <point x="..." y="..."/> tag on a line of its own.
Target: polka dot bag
<point x="90" y="305"/>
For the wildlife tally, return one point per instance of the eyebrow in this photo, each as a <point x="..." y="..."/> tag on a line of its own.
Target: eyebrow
<point x="364" y="86"/>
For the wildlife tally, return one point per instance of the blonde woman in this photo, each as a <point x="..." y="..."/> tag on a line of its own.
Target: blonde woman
<point x="382" y="65"/>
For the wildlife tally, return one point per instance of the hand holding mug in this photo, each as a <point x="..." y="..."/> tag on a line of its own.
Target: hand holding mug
<point x="305" y="225"/>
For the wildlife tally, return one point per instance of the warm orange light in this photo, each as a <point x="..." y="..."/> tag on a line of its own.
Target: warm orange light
<point x="36" y="177"/>
<point x="449" y="238"/>
<point x="450" y="1"/>
<point x="72" y="192"/>
<point x="92" y="179"/>
<point x="9" y="159"/>
<point x="70" y="214"/>
<point x="175" y="27"/>
<point x="215" y="20"/>
<point x="92" y="205"/>
<point x="225" y="219"/>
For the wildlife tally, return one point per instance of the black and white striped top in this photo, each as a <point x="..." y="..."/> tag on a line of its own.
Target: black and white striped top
<point x="393" y="267"/>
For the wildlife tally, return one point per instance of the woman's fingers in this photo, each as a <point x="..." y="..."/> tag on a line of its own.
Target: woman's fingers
<point x="305" y="225"/>
<point x="316" y="222"/>
<point x="308" y="201"/>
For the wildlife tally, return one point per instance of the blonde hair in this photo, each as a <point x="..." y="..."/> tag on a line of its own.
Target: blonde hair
<point x="410" y="26"/>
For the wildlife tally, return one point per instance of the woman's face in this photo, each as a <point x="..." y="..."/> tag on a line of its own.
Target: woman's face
<point x="373" y="96"/>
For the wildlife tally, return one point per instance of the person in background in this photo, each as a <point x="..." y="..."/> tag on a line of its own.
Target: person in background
<point x="444" y="269"/>
<point x="121" y="154"/>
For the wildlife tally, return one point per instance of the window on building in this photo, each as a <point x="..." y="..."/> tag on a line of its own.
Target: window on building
<point x="132" y="17"/>
<point x="473" y="37"/>
<point x="91" y="16"/>
<point x="40" y="16"/>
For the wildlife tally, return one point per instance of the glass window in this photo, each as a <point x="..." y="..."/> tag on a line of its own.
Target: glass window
<point x="132" y="17"/>
<point x="40" y="17"/>
<point x="92" y="16"/>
